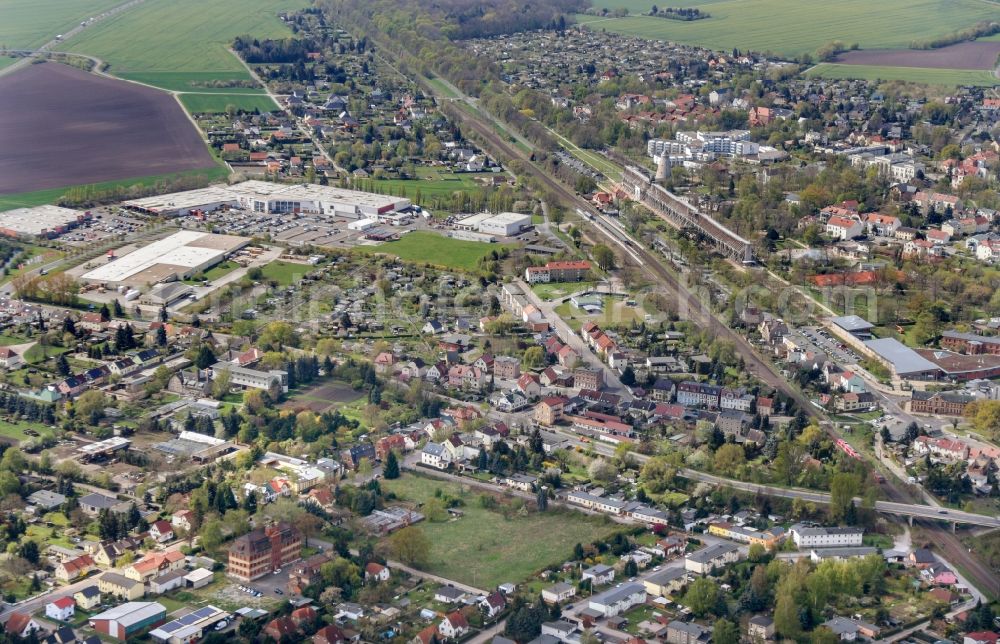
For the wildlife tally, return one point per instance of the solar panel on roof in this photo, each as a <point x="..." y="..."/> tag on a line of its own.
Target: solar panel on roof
<point x="205" y="611"/>
<point x="170" y="627"/>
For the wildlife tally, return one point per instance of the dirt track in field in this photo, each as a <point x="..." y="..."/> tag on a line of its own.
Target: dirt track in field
<point x="965" y="55"/>
<point x="61" y="126"/>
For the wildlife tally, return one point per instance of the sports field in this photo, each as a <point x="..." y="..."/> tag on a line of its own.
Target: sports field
<point x="793" y="27"/>
<point x="484" y="548"/>
<point x="942" y="77"/>
<point x="25" y="24"/>
<point x="211" y="103"/>
<point x="429" y="248"/>
<point x="181" y="44"/>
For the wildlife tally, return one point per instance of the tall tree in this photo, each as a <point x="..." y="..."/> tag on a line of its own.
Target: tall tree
<point x="391" y="469"/>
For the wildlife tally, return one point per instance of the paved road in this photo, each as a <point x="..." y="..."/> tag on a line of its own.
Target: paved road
<point x="574" y="340"/>
<point x="47" y="47"/>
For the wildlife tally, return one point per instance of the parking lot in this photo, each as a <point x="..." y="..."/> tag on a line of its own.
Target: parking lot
<point x="107" y="222"/>
<point x="831" y="346"/>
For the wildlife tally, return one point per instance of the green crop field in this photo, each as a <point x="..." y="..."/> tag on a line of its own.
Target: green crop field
<point x="185" y="40"/>
<point x="25" y="24"/>
<point x="211" y="103"/>
<point x="945" y="77"/>
<point x="484" y="548"/>
<point x="793" y="27"/>
<point x="39" y="197"/>
<point x="429" y="248"/>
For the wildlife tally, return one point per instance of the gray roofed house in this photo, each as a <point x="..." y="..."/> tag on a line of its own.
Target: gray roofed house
<point x="618" y="600"/>
<point x="711" y="557"/>
<point x="92" y="504"/>
<point x="843" y="628"/>
<point x="685" y="633"/>
<point x="448" y="594"/>
<point x="819" y="554"/>
<point x="545" y="639"/>
<point x="46" y="499"/>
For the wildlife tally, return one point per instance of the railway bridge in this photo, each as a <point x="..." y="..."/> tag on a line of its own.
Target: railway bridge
<point x="680" y="214"/>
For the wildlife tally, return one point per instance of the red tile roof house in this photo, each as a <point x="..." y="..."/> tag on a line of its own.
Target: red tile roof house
<point x="21" y="624"/>
<point x="161" y="530"/>
<point x="61" y="610"/>
<point x="376" y="572"/>
<point x="72" y="568"/>
<point x="981" y="637"/>
<point x="278" y="628"/>
<point x="303" y="616"/>
<point x="454" y="625"/>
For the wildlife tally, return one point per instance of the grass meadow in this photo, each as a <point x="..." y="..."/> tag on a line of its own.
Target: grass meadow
<point x="484" y="547"/>
<point x="944" y="77"/>
<point x="429" y="248"/>
<point x="793" y="27"/>
<point x="177" y="44"/>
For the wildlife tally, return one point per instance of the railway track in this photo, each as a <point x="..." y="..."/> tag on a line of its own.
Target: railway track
<point x="942" y="539"/>
<point x="696" y="311"/>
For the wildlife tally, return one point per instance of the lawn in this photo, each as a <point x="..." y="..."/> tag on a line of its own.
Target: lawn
<point x="793" y="27"/>
<point x="431" y="182"/>
<point x="284" y="273"/>
<point x="424" y="247"/>
<point x="15" y="430"/>
<point x="219" y="270"/>
<point x="483" y="548"/>
<point x="214" y="103"/>
<point x="187" y="41"/>
<point x="38" y="353"/>
<point x="945" y="77"/>
<point x="30" y="23"/>
<point x="53" y="195"/>
<point x="554" y="290"/>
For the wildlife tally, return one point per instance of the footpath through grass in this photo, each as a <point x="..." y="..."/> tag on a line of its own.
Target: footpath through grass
<point x="487" y="547"/>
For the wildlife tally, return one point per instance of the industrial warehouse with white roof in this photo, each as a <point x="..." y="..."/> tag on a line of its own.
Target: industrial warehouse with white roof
<point x="264" y="196"/>
<point x="178" y="256"/>
<point x="40" y="221"/>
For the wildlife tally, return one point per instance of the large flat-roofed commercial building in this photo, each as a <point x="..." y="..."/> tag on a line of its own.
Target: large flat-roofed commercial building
<point x="176" y="257"/>
<point x="504" y="224"/>
<point x="40" y="221"/>
<point x="267" y="197"/>
<point x="904" y="361"/>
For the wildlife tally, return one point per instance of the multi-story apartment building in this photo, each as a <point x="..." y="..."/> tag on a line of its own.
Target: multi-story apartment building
<point x="263" y="550"/>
